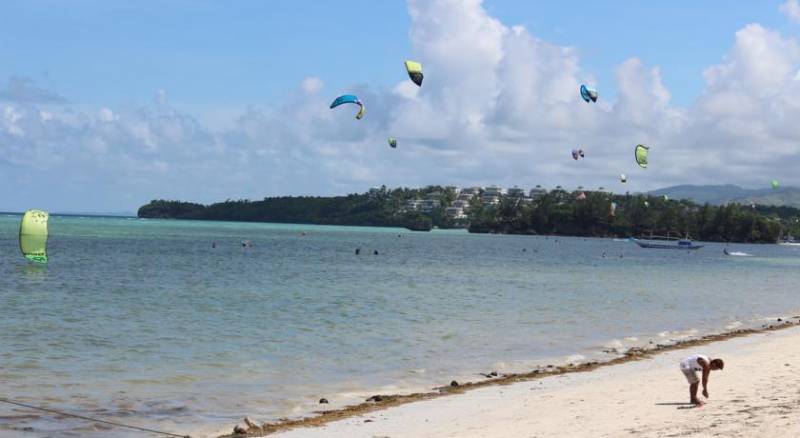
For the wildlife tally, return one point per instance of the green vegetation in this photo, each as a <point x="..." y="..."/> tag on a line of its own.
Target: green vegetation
<point x="378" y="207"/>
<point x="555" y="212"/>
<point x="560" y="212"/>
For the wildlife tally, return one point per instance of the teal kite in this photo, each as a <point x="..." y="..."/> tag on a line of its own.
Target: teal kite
<point x="349" y="98"/>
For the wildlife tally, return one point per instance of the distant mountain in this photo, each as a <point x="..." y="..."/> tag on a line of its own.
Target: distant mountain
<point x="724" y="194"/>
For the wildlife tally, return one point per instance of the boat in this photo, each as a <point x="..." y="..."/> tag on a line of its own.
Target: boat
<point x="662" y="242"/>
<point x="789" y="241"/>
<point x="419" y="227"/>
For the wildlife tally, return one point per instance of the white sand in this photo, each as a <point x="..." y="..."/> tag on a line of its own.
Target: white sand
<point x="756" y="395"/>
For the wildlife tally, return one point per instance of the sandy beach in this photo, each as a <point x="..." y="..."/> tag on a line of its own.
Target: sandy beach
<point x="757" y="394"/>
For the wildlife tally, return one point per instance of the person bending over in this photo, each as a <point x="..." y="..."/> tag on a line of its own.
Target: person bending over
<point x="691" y="365"/>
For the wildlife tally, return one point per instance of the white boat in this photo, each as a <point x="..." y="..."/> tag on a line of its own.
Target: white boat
<point x="789" y="241"/>
<point x="661" y="242"/>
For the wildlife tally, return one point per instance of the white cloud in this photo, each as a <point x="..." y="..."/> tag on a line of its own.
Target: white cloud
<point x="312" y="85"/>
<point x="510" y="118"/>
<point x="161" y="97"/>
<point x="22" y="89"/>
<point x="106" y="115"/>
<point x="791" y="8"/>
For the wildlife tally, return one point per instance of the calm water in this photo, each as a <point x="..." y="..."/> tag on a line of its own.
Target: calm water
<point x="142" y="321"/>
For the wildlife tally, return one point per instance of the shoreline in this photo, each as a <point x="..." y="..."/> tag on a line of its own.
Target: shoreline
<point x="380" y="402"/>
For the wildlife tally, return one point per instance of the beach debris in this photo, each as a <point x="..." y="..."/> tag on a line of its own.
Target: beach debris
<point x="239" y="430"/>
<point x="375" y="398"/>
<point x="454" y="384"/>
<point x="251" y="426"/>
<point x="323" y="400"/>
<point x="368" y="420"/>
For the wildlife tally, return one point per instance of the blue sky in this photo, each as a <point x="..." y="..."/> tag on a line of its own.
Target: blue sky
<point x="209" y="53"/>
<point x="241" y="84"/>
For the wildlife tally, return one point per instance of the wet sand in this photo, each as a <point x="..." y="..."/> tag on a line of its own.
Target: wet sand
<point x="642" y="394"/>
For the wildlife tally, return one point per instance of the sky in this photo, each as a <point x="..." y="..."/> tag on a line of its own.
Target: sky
<point x="107" y="105"/>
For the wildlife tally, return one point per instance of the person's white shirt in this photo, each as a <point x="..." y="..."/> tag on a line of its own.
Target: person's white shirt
<point x="691" y="364"/>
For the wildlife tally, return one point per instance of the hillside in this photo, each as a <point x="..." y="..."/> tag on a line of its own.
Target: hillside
<point x="724" y="194"/>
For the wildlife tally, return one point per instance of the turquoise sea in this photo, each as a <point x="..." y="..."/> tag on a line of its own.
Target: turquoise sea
<point x="144" y="322"/>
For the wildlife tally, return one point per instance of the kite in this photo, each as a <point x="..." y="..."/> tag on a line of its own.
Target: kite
<point x="588" y="94"/>
<point x="640" y="153"/>
<point x="414" y="70"/>
<point x="33" y="235"/>
<point x="349" y="98"/>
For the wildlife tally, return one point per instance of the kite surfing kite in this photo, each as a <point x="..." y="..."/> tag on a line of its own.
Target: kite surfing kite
<point x="775" y="184"/>
<point x="414" y="70"/>
<point x="392" y="142"/>
<point x="349" y="98"/>
<point x="640" y="153"/>
<point x="588" y="94"/>
<point x="33" y="235"/>
<point x="577" y="154"/>
<point x="623" y="178"/>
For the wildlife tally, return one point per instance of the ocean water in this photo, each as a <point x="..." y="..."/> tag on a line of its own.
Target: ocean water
<point x="143" y="322"/>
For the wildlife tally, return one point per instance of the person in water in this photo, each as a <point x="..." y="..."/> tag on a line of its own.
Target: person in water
<point x="693" y="364"/>
<point x="725" y="251"/>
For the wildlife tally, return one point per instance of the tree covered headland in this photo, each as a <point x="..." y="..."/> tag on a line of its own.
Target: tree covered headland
<point x="378" y="207"/>
<point x="561" y="212"/>
<point x="555" y="212"/>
